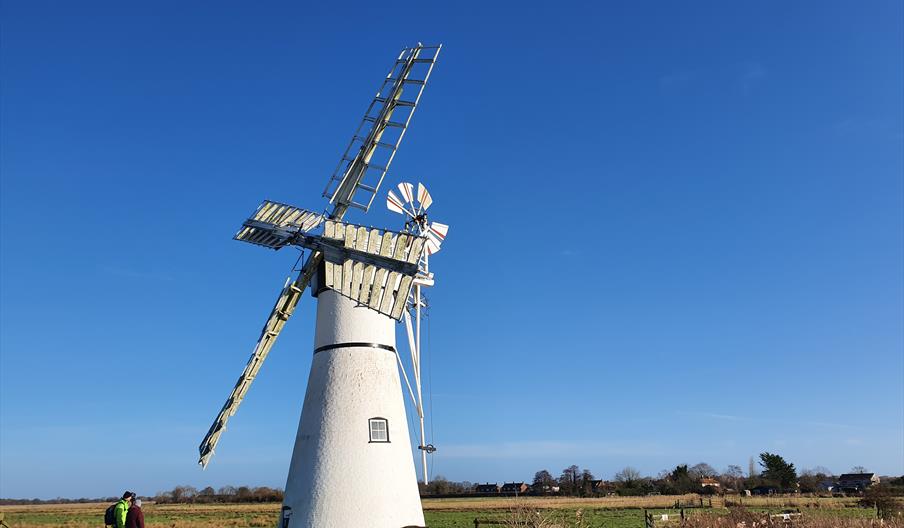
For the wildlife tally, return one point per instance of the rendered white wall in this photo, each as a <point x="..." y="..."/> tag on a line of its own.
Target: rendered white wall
<point x="337" y="478"/>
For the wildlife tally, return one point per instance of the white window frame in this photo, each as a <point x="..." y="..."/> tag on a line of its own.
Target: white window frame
<point x="370" y="430"/>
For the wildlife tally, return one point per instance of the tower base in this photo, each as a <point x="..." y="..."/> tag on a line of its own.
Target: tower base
<point x="352" y="465"/>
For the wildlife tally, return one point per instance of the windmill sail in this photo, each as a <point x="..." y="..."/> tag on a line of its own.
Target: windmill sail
<point x="273" y="224"/>
<point x="364" y="163"/>
<point x="382" y="282"/>
<point x="285" y="306"/>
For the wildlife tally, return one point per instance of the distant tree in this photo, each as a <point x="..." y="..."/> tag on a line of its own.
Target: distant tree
<point x="810" y="479"/>
<point x="664" y="486"/>
<point x="859" y="469"/>
<point x="163" y="497"/>
<point x="441" y="485"/>
<point x="733" y="475"/>
<point x="628" y="477"/>
<point x="818" y="471"/>
<point x="266" y="494"/>
<point x="752" y="471"/>
<point x="883" y="498"/>
<point x="776" y="470"/>
<point x="734" y="471"/>
<point x="183" y="493"/>
<point x="177" y="494"/>
<point x="702" y="470"/>
<point x="586" y="483"/>
<point x="226" y="491"/>
<point x="568" y="480"/>
<point x="543" y="481"/>
<point x="682" y="481"/>
<point x="206" y="495"/>
<point x="679" y="473"/>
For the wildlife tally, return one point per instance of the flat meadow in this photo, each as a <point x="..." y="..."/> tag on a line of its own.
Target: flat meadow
<point x="536" y="512"/>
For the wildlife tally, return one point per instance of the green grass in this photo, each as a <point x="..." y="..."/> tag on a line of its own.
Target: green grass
<point x="178" y="516"/>
<point x="266" y="515"/>
<point x="435" y="519"/>
<point x="619" y="518"/>
<point x="592" y="517"/>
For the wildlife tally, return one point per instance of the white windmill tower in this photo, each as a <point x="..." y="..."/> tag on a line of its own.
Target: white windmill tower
<point x="351" y="465"/>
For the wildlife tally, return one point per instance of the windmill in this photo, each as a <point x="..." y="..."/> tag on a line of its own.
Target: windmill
<point x="351" y="464"/>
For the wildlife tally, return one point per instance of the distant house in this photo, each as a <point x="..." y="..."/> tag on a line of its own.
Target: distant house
<point x="765" y="490"/>
<point x="601" y="487"/>
<point x="515" y="488"/>
<point x="708" y="481"/>
<point x="487" y="488"/>
<point x="856" y="482"/>
<point x="544" y="489"/>
<point x="827" y="485"/>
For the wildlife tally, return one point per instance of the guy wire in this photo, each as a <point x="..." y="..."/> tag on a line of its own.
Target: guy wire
<point x="430" y="392"/>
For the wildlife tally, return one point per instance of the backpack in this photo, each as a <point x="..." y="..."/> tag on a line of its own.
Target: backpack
<point x="110" y="515"/>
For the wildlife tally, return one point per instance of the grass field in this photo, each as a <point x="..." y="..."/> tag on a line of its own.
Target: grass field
<point x="610" y="512"/>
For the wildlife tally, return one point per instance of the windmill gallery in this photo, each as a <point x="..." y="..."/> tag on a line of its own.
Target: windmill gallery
<point x="352" y="462"/>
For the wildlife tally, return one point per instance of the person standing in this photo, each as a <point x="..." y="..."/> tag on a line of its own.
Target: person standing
<point x="135" y="517"/>
<point x="122" y="509"/>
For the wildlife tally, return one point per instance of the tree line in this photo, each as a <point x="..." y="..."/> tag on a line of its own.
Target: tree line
<point x="192" y="495"/>
<point x="771" y="472"/>
<point x="178" y="495"/>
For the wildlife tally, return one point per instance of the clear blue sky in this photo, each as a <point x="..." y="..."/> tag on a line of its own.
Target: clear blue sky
<point x="676" y="231"/>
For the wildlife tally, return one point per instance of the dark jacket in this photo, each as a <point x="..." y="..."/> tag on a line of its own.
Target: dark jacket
<point x="135" y="518"/>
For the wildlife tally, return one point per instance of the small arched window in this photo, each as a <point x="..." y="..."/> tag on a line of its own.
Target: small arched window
<point x="379" y="429"/>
